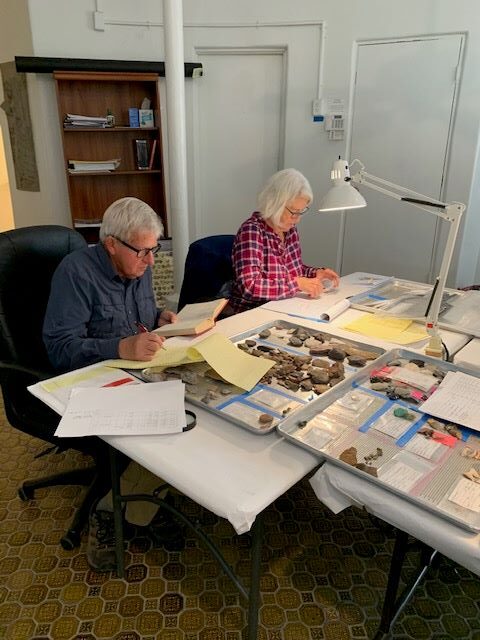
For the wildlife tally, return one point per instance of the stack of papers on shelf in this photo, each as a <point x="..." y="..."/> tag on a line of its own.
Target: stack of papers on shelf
<point x="72" y="120"/>
<point x="79" y="166"/>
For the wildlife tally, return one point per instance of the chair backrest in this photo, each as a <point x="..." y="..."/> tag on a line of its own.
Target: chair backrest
<point x="28" y="258"/>
<point x="207" y="268"/>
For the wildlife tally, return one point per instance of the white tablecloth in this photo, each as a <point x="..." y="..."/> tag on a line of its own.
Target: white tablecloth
<point x="338" y="489"/>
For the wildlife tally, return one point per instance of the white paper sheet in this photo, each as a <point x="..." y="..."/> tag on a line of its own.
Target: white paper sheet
<point x="400" y="475"/>
<point x="144" y="409"/>
<point x="457" y="399"/>
<point x="466" y="494"/>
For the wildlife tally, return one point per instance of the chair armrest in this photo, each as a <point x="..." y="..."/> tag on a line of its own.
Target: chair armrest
<point x="8" y="370"/>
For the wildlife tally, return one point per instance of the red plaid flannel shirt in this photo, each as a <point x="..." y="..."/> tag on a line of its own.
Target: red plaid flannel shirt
<point x="265" y="268"/>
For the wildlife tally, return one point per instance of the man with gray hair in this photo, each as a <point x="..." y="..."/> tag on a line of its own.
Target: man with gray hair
<point x="102" y="306"/>
<point x="101" y="303"/>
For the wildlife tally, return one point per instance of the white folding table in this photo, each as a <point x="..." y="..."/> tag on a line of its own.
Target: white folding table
<point x="233" y="472"/>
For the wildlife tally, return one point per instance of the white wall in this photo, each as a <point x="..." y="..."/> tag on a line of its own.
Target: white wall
<point x="65" y="29"/>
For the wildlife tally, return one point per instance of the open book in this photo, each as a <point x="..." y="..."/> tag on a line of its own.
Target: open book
<point x="323" y="309"/>
<point x="194" y="319"/>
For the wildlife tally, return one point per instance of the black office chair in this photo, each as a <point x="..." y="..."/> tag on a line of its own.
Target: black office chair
<point x="208" y="270"/>
<point x="28" y="258"/>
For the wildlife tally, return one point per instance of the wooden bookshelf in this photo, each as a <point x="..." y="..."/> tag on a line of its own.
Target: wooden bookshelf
<point x="93" y="94"/>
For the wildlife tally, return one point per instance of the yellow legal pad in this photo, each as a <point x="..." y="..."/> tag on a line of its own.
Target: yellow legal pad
<point x="233" y="364"/>
<point x="398" y="330"/>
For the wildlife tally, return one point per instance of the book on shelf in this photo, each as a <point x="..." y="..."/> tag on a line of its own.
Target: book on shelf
<point x="77" y="166"/>
<point x="194" y="319"/>
<point x="146" y="118"/>
<point x="153" y="146"/>
<point x="141" y="154"/>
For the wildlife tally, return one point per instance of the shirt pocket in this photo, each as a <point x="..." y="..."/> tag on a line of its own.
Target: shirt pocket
<point x="106" y="322"/>
<point x="147" y="310"/>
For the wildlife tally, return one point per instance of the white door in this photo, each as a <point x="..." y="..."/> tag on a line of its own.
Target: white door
<point x="238" y="134"/>
<point x="403" y="108"/>
<point x="248" y="116"/>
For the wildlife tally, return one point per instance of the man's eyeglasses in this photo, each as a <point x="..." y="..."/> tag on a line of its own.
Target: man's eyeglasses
<point x="297" y="213"/>
<point x="141" y="253"/>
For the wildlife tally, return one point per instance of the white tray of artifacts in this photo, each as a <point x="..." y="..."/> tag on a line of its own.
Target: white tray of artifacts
<point x="308" y="364"/>
<point x="374" y="426"/>
<point x="459" y="311"/>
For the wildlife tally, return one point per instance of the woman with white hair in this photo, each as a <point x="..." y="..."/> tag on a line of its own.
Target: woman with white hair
<point x="266" y="254"/>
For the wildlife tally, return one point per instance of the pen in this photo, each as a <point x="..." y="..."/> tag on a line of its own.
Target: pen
<point x="143" y="329"/>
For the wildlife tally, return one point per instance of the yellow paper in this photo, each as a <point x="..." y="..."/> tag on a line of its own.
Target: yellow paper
<point x="74" y="378"/>
<point x="233" y="364"/>
<point x="168" y="357"/>
<point x="398" y="330"/>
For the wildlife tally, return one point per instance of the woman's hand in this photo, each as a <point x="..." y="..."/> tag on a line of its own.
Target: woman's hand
<point x="311" y="286"/>
<point x="141" y="347"/>
<point x="328" y="274"/>
<point x="166" y="317"/>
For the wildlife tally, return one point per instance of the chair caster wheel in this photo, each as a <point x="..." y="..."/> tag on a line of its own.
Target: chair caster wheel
<point x="70" y="541"/>
<point x="25" y="493"/>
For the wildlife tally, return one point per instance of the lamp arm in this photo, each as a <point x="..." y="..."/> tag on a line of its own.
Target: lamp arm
<point x="451" y="212"/>
<point x="400" y="193"/>
<point x="454" y="217"/>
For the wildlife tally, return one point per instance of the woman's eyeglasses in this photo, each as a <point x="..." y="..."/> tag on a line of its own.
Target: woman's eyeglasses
<point x="297" y="213"/>
<point x="141" y="253"/>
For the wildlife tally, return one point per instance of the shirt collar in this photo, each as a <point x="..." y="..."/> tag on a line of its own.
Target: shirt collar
<point x="257" y="216"/>
<point x="105" y="262"/>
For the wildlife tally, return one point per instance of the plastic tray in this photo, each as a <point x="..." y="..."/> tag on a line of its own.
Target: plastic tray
<point x="459" y="312"/>
<point x="342" y="419"/>
<point x="265" y="407"/>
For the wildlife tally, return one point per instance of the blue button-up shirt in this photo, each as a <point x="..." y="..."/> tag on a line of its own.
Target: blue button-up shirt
<point x="91" y="308"/>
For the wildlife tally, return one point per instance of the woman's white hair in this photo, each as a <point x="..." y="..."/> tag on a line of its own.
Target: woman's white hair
<point x="282" y="187"/>
<point x="127" y="216"/>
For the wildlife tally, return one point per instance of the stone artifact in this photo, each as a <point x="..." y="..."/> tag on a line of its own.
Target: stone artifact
<point x="367" y="468"/>
<point x="349" y="456"/>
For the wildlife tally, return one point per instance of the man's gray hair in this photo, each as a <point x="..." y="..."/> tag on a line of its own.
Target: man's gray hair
<point x="282" y="187"/>
<point x="127" y="216"/>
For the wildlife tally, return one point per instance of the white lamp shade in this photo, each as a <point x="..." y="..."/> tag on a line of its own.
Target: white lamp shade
<point x="340" y="197"/>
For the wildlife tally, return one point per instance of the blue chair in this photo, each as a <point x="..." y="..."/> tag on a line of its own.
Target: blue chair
<point x="208" y="270"/>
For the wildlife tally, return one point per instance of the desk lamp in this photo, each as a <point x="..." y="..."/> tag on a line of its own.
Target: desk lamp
<point x="343" y="195"/>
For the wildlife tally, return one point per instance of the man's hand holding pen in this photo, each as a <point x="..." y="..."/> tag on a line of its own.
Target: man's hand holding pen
<point x="142" y="346"/>
<point x="145" y="344"/>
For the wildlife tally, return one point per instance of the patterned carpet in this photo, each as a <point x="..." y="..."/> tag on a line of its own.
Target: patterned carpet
<point x="323" y="576"/>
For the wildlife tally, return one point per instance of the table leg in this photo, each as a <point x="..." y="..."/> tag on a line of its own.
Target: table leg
<point x="252" y="595"/>
<point x="117" y="513"/>
<point x="254" y="592"/>
<point x="392" y="607"/>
